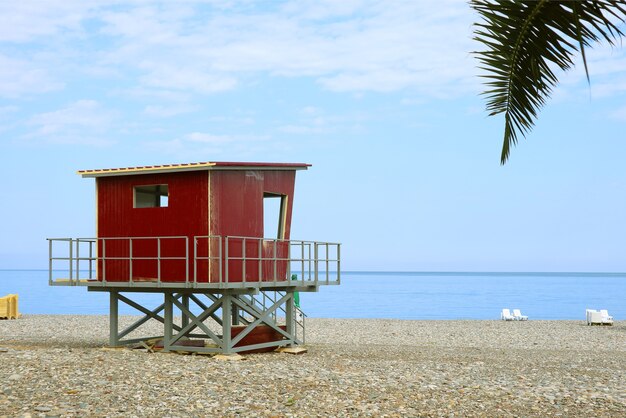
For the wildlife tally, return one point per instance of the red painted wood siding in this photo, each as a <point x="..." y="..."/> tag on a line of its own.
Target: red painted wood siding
<point x="234" y="208"/>
<point x="237" y="200"/>
<point x="237" y="210"/>
<point x="185" y="215"/>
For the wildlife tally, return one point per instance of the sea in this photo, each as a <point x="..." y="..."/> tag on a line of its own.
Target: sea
<point x="388" y="295"/>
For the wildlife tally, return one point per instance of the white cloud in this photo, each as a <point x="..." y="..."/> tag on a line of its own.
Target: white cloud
<point x="310" y="110"/>
<point x="412" y="101"/>
<point x="174" y="147"/>
<point x="22" y="21"/>
<point x="619" y="114"/>
<point x="300" y="129"/>
<point x="7" y="117"/>
<point x="315" y="121"/>
<point x="233" y="120"/>
<point x="83" y="122"/>
<point x="604" y="60"/>
<point x="143" y="93"/>
<point x="163" y="75"/>
<point x="607" y="87"/>
<point x="168" y="111"/>
<point x="19" y="77"/>
<point x="6" y="110"/>
<point x="345" y="46"/>
<point x="221" y="139"/>
<point x="208" y="138"/>
<point x="607" y="73"/>
<point x="207" y="47"/>
<point x="195" y="144"/>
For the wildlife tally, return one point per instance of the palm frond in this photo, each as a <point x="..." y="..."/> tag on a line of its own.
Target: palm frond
<point x="525" y="41"/>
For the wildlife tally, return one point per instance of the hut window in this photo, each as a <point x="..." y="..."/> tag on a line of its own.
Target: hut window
<point x="151" y="196"/>
<point x="274" y="211"/>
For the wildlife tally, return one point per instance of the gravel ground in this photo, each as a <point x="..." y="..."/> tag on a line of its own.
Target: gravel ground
<point x="56" y="366"/>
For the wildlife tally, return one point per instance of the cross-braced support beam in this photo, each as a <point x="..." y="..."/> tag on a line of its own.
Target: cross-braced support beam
<point x="212" y="320"/>
<point x="116" y="336"/>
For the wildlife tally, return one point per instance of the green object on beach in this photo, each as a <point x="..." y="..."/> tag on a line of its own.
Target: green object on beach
<point x="296" y="295"/>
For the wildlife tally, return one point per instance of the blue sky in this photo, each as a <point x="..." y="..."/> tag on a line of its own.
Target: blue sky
<point x="382" y="97"/>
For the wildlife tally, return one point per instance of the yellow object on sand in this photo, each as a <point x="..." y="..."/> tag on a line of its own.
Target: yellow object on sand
<point x="8" y="307"/>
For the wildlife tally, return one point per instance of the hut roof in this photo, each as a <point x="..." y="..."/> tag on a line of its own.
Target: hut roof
<point x="169" y="168"/>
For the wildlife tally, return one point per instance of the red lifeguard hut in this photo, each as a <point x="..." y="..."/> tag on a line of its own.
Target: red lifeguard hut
<point x="198" y="233"/>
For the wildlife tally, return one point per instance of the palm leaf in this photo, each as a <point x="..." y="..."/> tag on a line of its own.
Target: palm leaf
<point x="525" y="42"/>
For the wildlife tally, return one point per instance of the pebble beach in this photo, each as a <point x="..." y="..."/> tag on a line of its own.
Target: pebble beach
<point x="60" y="366"/>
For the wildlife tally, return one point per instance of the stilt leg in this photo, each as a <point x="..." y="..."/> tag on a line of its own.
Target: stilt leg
<point x="168" y="321"/>
<point x="185" y="317"/>
<point x="291" y="319"/>
<point x="235" y="313"/>
<point x="113" y="319"/>
<point x="227" y="306"/>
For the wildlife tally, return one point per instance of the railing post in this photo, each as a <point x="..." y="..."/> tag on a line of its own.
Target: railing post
<point x="309" y="259"/>
<point x="243" y="260"/>
<point x="327" y="264"/>
<point x="315" y="262"/>
<point x="288" y="260"/>
<point x="130" y="260"/>
<point x="90" y="259"/>
<point x="209" y="260"/>
<point x="275" y="245"/>
<point x="195" y="264"/>
<point x="302" y="259"/>
<point x="159" y="261"/>
<point x="104" y="260"/>
<point x="187" y="261"/>
<point x="219" y="239"/>
<point x="77" y="259"/>
<point x="338" y="263"/>
<point x="71" y="275"/>
<point x="226" y="258"/>
<point x="49" y="262"/>
<point x="260" y="279"/>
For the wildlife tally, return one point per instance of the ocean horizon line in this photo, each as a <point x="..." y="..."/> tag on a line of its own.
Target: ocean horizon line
<point x="441" y="273"/>
<point x="490" y="273"/>
<point x="375" y="294"/>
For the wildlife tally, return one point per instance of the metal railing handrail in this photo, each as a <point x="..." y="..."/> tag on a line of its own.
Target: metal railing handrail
<point x="267" y="300"/>
<point x="272" y="260"/>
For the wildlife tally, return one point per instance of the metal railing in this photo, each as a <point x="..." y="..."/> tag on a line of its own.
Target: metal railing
<point x="75" y="263"/>
<point x="217" y="261"/>
<point x="97" y="260"/>
<point x="266" y="299"/>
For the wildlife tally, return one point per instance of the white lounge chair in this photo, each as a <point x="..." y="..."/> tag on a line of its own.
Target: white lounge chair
<point x="598" y="317"/>
<point x="505" y="315"/>
<point x="605" y="317"/>
<point x="518" y="315"/>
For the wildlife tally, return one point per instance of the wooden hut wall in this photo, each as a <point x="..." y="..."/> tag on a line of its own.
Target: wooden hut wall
<point x="236" y="209"/>
<point x="186" y="214"/>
